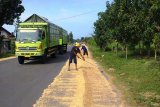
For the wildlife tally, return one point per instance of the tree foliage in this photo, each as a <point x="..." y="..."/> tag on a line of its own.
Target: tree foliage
<point x="70" y="37"/>
<point x="9" y="10"/>
<point x="129" y="22"/>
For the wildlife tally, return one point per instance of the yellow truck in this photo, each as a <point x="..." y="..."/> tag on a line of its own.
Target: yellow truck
<point x="37" y="38"/>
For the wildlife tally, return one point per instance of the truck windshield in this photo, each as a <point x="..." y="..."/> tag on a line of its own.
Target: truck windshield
<point x="28" y="35"/>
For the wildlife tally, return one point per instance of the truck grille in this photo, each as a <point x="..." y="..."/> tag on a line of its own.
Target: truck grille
<point x="27" y="48"/>
<point x="28" y="54"/>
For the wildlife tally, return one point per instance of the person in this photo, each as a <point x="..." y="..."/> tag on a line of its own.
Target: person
<point x="73" y="55"/>
<point x="85" y="51"/>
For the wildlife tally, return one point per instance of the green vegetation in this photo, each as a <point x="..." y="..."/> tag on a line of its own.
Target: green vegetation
<point x="6" y="55"/>
<point x="129" y="23"/>
<point x="70" y="38"/>
<point x="138" y="78"/>
<point x="127" y="44"/>
<point x="9" y="10"/>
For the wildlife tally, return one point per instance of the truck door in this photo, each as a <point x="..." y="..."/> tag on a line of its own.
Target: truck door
<point x="43" y="39"/>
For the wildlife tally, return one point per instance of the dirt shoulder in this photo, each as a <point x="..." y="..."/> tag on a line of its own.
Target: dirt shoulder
<point x="87" y="87"/>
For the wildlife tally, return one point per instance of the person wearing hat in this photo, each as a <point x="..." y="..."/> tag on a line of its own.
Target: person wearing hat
<point x="73" y="55"/>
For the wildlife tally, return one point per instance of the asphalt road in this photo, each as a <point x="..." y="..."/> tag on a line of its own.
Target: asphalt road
<point x="22" y="85"/>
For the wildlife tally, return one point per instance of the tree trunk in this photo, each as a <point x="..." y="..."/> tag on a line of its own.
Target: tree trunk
<point x="142" y="45"/>
<point x="143" y="48"/>
<point x="126" y="52"/>
<point x="149" y="53"/>
<point x="112" y="48"/>
<point x="149" y="50"/>
<point x="140" y="48"/>
<point x="155" y="55"/>
<point x="117" y="49"/>
<point x="101" y="47"/>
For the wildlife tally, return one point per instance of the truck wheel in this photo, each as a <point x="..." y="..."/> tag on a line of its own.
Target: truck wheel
<point x="21" y="59"/>
<point x="44" y="57"/>
<point x="53" y="55"/>
<point x="61" y="51"/>
<point x="65" y="50"/>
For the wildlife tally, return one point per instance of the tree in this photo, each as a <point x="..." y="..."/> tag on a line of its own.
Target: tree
<point x="9" y="10"/>
<point x="82" y="38"/>
<point x="99" y="33"/>
<point x="156" y="42"/>
<point x="129" y="23"/>
<point x="16" y="24"/>
<point x="70" y="37"/>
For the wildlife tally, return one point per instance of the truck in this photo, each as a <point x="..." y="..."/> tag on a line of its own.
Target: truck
<point x="37" y="38"/>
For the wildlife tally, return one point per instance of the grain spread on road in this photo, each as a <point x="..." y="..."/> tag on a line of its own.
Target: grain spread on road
<point x="86" y="87"/>
<point x="3" y="59"/>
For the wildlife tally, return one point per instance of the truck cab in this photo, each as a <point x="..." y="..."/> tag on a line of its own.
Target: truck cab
<point x="30" y="43"/>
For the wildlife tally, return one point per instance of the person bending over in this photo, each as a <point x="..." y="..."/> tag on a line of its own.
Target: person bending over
<point x="75" y="52"/>
<point x="85" y="51"/>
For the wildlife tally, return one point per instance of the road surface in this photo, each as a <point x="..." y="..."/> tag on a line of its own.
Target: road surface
<point x="85" y="87"/>
<point x="22" y="85"/>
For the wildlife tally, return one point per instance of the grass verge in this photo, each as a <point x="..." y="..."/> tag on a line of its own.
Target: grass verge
<point x="139" y="77"/>
<point x="6" y="55"/>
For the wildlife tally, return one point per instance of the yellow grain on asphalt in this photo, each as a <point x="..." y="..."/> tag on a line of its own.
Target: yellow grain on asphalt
<point x="86" y="87"/>
<point x="3" y="59"/>
<point x="67" y="90"/>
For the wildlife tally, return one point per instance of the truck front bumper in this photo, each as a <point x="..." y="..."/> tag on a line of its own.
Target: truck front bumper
<point x="29" y="54"/>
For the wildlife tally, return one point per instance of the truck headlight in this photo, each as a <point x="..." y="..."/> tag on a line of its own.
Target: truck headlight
<point x="40" y="46"/>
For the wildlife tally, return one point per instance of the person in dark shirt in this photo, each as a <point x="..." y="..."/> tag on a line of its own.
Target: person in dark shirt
<point x="85" y="51"/>
<point x="73" y="55"/>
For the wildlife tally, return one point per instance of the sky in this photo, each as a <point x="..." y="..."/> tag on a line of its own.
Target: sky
<point x="76" y="16"/>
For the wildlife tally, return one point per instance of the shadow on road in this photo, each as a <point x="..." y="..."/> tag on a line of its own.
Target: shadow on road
<point x="59" y="58"/>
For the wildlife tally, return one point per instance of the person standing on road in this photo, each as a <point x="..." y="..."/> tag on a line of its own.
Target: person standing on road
<point x="74" y="54"/>
<point x="85" y="51"/>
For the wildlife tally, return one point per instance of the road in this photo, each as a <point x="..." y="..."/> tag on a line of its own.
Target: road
<point x="22" y="85"/>
<point x="88" y="86"/>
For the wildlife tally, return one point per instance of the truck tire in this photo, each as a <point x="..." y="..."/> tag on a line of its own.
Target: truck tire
<point x="65" y="48"/>
<point x="21" y="59"/>
<point x="61" y="51"/>
<point x="44" y="57"/>
<point x="53" y="55"/>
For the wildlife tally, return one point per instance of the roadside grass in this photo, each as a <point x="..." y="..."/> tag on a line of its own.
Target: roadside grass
<point x="6" y="55"/>
<point x="138" y="78"/>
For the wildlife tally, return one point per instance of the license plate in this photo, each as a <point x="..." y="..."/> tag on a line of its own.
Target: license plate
<point x="27" y="55"/>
